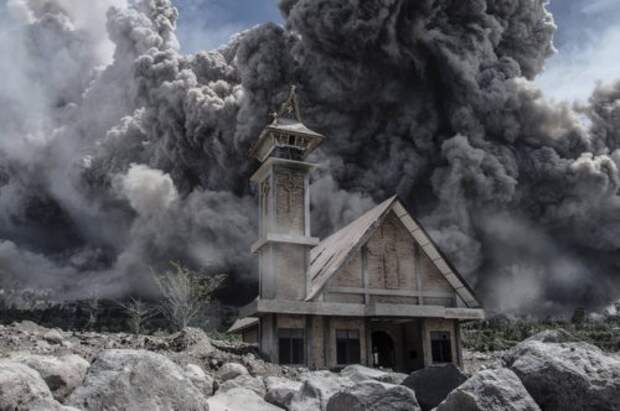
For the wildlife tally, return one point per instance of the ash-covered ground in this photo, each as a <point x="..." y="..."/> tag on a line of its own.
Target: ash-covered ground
<point x="50" y="369"/>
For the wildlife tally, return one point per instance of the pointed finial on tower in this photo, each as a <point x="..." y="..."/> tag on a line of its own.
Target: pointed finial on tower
<point x="290" y="108"/>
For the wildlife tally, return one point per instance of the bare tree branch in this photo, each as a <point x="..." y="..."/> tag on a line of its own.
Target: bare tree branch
<point x="138" y="313"/>
<point x="185" y="292"/>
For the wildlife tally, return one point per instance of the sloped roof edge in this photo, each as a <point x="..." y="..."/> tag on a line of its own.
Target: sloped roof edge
<point x="320" y="277"/>
<point x="241" y="324"/>
<point x="335" y="251"/>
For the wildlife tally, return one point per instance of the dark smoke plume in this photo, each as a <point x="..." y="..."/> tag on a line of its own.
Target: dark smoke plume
<point x="117" y="157"/>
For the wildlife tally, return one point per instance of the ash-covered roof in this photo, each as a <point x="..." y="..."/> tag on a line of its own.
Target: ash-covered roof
<point x="292" y="126"/>
<point x="331" y="254"/>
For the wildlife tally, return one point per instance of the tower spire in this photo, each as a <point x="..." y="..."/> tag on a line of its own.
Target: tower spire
<point x="286" y="137"/>
<point x="283" y="187"/>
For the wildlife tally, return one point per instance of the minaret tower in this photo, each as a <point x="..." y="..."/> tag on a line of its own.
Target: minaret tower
<point x="284" y="204"/>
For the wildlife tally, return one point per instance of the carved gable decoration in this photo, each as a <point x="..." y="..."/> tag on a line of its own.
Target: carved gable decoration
<point x="390" y="255"/>
<point x="391" y="236"/>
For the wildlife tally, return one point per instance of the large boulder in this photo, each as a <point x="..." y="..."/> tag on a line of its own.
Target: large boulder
<point x="255" y="384"/>
<point x="201" y="380"/>
<point x="231" y="370"/>
<point x="433" y="384"/>
<point x="239" y="399"/>
<point x="136" y="380"/>
<point x="280" y="391"/>
<point x="360" y="373"/>
<point x="23" y="389"/>
<point x="316" y="390"/>
<point x="562" y="376"/>
<point x="374" y="396"/>
<point x="497" y="390"/>
<point x="61" y="374"/>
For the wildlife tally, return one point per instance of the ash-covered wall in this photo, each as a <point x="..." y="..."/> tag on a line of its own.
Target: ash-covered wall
<point x="118" y="152"/>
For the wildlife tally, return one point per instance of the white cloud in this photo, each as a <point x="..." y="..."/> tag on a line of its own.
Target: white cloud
<point x="207" y="24"/>
<point x="573" y="73"/>
<point x="587" y="38"/>
<point x="599" y="6"/>
<point x="148" y="190"/>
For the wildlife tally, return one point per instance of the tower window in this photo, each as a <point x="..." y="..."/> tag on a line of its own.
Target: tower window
<point x="441" y="347"/>
<point x="291" y="345"/>
<point x="347" y="347"/>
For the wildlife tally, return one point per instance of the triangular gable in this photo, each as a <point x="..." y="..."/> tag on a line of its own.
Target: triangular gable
<point x="331" y="254"/>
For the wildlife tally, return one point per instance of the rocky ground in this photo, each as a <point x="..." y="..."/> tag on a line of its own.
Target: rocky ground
<point x="48" y="369"/>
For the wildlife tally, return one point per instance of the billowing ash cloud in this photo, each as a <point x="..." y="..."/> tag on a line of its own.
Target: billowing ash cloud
<point x="120" y="157"/>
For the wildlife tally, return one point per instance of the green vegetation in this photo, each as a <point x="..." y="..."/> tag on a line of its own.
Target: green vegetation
<point x="222" y="336"/>
<point x="502" y="333"/>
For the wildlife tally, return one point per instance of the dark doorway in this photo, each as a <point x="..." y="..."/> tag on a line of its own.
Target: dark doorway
<point x="440" y="347"/>
<point x="383" y="353"/>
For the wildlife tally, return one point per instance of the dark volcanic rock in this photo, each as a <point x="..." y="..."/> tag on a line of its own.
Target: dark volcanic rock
<point x="433" y="384"/>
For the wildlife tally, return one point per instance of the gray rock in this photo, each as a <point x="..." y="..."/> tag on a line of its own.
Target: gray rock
<point x="374" y="396"/>
<point x="201" y="380"/>
<point x="23" y="389"/>
<point x="280" y="391"/>
<point x="563" y="376"/>
<point x="239" y="399"/>
<point x="231" y="370"/>
<point x="136" y="380"/>
<point x="61" y="374"/>
<point x="54" y="336"/>
<point x="29" y="326"/>
<point x="497" y="390"/>
<point x="255" y="384"/>
<point x="360" y="373"/>
<point x="256" y="366"/>
<point x="191" y="339"/>
<point x="316" y="390"/>
<point x="433" y="384"/>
